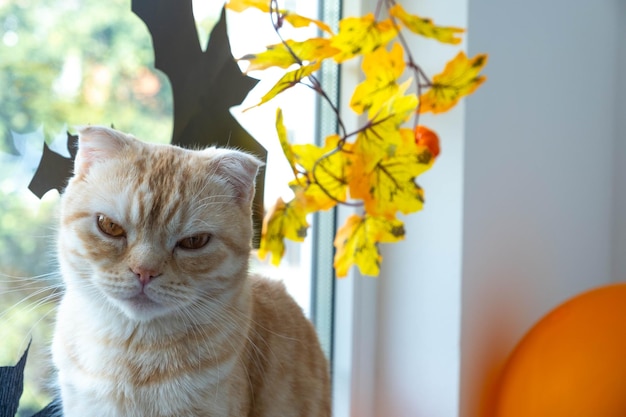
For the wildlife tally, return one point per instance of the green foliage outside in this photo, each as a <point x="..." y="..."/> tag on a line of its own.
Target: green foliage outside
<point x="62" y="63"/>
<point x="79" y="62"/>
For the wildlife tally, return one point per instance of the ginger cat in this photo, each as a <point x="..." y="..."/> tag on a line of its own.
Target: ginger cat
<point x="160" y="317"/>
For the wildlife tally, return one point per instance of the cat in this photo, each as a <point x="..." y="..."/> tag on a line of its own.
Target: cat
<point x="160" y="316"/>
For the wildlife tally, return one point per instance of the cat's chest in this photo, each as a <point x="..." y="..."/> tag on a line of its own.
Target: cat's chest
<point x="144" y="385"/>
<point x="135" y="376"/>
<point x="114" y="399"/>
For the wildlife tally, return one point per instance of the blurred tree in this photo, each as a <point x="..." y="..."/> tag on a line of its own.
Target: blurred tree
<point x="79" y="62"/>
<point x="62" y="63"/>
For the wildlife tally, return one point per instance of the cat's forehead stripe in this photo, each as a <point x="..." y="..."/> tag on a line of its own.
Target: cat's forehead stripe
<point x="164" y="176"/>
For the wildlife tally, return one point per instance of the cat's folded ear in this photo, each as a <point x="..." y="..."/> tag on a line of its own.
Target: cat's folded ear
<point x="96" y="144"/>
<point x="238" y="168"/>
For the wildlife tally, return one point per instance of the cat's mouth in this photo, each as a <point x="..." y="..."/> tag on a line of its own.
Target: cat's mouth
<point x="139" y="304"/>
<point x="141" y="300"/>
<point x="141" y="307"/>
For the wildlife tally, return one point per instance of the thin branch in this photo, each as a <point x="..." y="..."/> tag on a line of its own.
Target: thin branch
<point x="277" y="22"/>
<point x="421" y="79"/>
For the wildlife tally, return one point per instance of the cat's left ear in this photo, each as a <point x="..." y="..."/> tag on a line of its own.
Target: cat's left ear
<point x="97" y="144"/>
<point x="238" y="168"/>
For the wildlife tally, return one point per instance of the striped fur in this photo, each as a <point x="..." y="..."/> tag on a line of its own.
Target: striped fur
<point x="200" y="338"/>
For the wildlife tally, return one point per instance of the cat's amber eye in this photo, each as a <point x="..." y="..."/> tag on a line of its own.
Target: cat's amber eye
<point x="109" y="227"/>
<point x="194" y="242"/>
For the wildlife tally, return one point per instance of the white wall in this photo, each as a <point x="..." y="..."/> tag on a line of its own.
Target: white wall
<point x="538" y="193"/>
<point x="524" y="207"/>
<point x="619" y="185"/>
<point x="420" y="287"/>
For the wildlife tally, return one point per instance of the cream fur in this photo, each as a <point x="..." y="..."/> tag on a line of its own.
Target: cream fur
<point x="201" y="338"/>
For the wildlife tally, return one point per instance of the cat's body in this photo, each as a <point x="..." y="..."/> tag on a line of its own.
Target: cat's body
<point x="160" y="317"/>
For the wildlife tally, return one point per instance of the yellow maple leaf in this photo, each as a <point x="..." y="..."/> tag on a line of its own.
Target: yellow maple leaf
<point x="283" y="220"/>
<point x="313" y="49"/>
<point x="328" y="170"/>
<point x="426" y="27"/>
<point x="311" y="197"/>
<point x="299" y="21"/>
<point x="375" y="142"/>
<point x="241" y="5"/>
<point x="288" y="80"/>
<point x="294" y="19"/>
<point x="281" y="130"/>
<point x="283" y="55"/>
<point x="382" y="70"/>
<point x="398" y="108"/>
<point x="361" y="35"/>
<point x="459" y="78"/>
<point x="357" y="241"/>
<point x="381" y="134"/>
<point x="389" y="186"/>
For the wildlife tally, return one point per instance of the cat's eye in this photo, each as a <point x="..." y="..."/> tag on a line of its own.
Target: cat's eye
<point x="109" y="227"/>
<point x="194" y="242"/>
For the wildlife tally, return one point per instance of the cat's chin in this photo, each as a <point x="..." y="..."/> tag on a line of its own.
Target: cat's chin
<point x="140" y="307"/>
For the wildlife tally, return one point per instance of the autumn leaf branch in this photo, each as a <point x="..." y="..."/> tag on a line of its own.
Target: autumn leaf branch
<point x="376" y="165"/>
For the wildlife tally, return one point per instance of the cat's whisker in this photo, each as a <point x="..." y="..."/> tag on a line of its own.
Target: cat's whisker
<point x="24" y="283"/>
<point x="219" y="315"/>
<point x="28" y="304"/>
<point x="29" y="333"/>
<point x="36" y="278"/>
<point x="28" y="299"/>
<point x="256" y="324"/>
<point x="21" y="288"/>
<point x="209" y="344"/>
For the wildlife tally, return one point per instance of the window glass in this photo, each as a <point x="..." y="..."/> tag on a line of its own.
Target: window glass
<point x="74" y="62"/>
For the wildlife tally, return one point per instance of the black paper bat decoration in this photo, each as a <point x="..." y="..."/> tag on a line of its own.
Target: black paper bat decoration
<point x="11" y="388"/>
<point x="54" y="169"/>
<point x="205" y="85"/>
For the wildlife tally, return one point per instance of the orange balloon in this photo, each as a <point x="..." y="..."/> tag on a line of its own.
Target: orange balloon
<point x="572" y="363"/>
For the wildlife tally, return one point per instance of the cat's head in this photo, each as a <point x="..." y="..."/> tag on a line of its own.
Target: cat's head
<point x="155" y="229"/>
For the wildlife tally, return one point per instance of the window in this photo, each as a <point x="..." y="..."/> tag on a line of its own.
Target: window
<point x="74" y="62"/>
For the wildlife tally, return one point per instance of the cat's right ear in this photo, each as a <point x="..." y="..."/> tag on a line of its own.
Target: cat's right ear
<point x="97" y="144"/>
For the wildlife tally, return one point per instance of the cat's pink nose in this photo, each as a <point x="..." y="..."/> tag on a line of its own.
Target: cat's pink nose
<point x="145" y="275"/>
